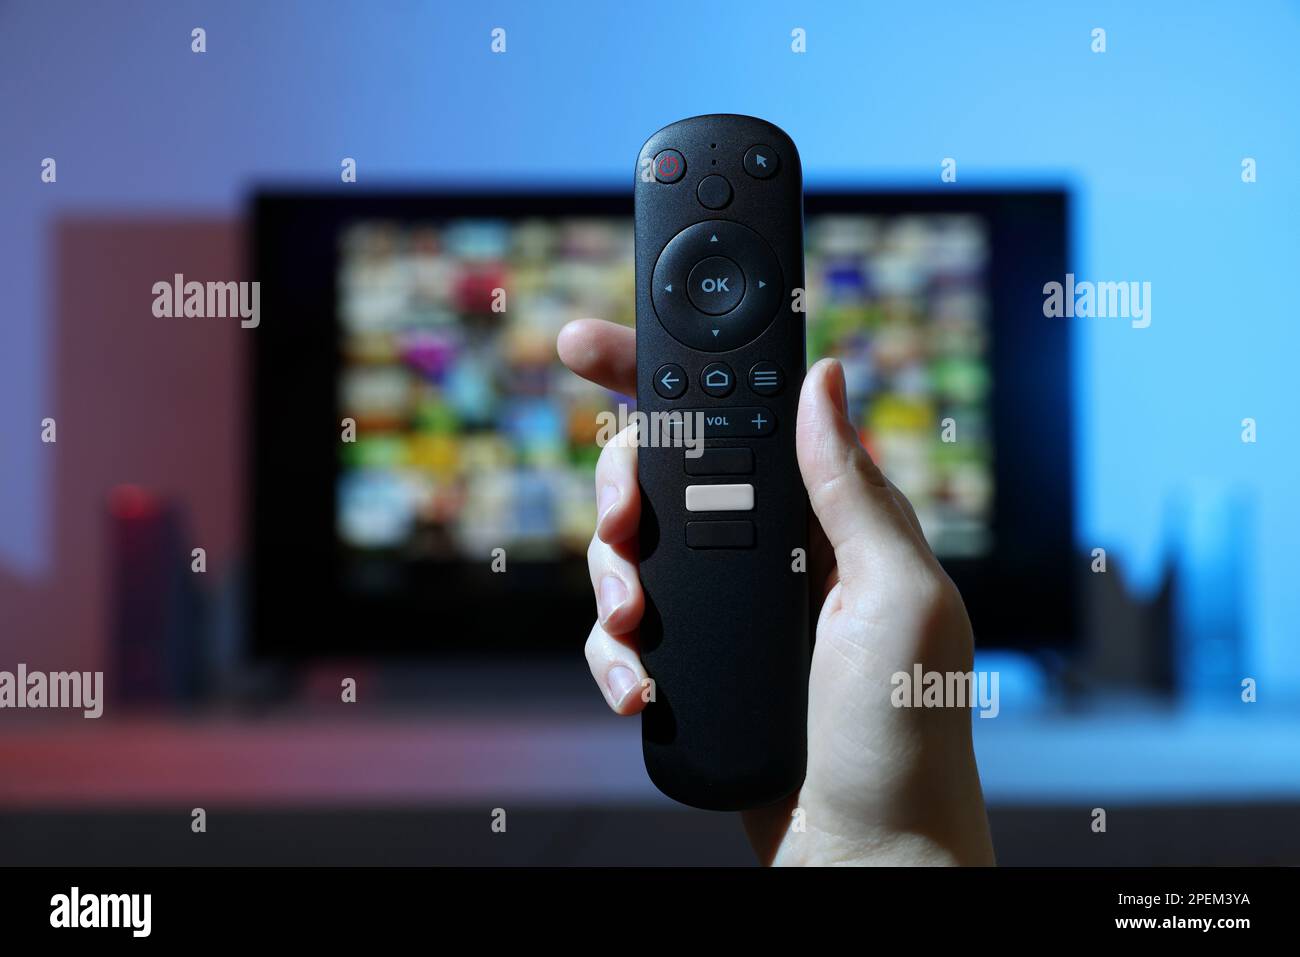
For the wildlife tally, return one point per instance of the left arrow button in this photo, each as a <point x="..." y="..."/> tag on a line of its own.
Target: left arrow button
<point x="670" y="381"/>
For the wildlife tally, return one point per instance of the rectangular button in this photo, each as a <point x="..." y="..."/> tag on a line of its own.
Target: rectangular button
<point x="721" y="462"/>
<point x="719" y="498"/>
<point x="720" y="534"/>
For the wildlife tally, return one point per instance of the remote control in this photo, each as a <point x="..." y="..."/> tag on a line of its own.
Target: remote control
<point x="724" y="516"/>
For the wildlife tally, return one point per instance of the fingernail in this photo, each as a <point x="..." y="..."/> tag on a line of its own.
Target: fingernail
<point x="612" y="594"/>
<point x="621" y="682"/>
<point x="607" y="499"/>
<point x="840" y="392"/>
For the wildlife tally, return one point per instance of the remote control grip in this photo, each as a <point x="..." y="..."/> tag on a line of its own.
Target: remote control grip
<point x="725" y="635"/>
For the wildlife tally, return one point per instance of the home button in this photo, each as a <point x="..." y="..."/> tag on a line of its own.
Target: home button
<point x="717" y="380"/>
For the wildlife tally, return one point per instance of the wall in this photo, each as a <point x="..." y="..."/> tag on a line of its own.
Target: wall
<point x="1151" y="133"/>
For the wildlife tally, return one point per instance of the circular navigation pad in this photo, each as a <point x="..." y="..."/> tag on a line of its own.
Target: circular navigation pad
<point x="740" y="286"/>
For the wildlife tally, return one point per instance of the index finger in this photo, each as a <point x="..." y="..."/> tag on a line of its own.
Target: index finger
<point x="602" y="352"/>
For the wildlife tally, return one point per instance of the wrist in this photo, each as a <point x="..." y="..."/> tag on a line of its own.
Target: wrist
<point x="824" y="838"/>
<point x="892" y="850"/>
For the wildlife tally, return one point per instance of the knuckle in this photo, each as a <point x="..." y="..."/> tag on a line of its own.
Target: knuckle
<point x="939" y="598"/>
<point x="603" y="461"/>
<point x="856" y="474"/>
<point x="864" y="467"/>
<point x="617" y="458"/>
<point x="595" y="554"/>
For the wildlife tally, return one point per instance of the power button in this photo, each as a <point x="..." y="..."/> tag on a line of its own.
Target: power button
<point x="670" y="166"/>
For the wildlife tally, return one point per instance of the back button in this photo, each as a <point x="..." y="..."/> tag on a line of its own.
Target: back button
<point x="670" y="381"/>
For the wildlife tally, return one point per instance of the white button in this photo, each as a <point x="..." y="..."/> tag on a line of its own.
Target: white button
<point x="719" y="498"/>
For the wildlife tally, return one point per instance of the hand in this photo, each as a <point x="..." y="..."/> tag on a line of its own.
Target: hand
<point x="885" y="785"/>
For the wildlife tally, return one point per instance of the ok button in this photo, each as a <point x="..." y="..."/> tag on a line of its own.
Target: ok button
<point x="716" y="285"/>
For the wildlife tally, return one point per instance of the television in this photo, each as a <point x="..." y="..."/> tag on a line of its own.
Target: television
<point x="422" y="463"/>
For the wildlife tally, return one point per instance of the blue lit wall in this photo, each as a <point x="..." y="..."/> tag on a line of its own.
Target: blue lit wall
<point x="1150" y="134"/>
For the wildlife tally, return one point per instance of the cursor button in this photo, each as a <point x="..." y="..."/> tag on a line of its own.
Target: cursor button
<point x="761" y="162"/>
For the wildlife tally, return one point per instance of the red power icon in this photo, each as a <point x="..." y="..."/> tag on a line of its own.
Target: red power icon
<point x="668" y="166"/>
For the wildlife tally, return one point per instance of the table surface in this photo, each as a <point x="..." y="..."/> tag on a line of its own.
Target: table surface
<point x="320" y="758"/>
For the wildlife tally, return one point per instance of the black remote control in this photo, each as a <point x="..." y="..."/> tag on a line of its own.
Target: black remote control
<point x="724" y="514"/>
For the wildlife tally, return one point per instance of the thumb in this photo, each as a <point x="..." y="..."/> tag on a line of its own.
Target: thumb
<point x="858" y="509"/>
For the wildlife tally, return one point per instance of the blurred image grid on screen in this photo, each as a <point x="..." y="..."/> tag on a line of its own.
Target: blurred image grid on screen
<point x="470" y="434"/>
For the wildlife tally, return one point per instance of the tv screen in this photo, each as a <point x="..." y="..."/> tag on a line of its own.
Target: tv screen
<point x="415" y="424"/>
